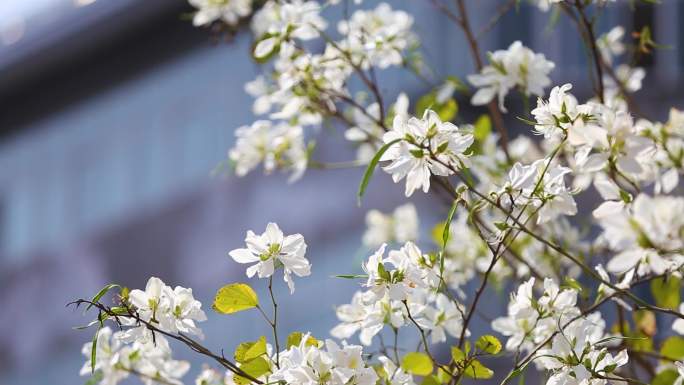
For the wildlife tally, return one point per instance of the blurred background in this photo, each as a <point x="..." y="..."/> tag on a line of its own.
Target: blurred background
<point x="113" y="115"/>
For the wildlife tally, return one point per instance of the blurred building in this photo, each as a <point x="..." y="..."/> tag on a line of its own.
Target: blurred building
<point x="114" y="114"/>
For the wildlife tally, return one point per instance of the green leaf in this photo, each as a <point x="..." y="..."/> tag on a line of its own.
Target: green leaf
<point x="478" y="371"/>
<point x="351" y="276"/>
<point x="446" y="111"/>
<point x="95" y="379"/>
<point x="482" y="128"/>
<point x="447" y="224"/>
<point x="248" y="351"/>
<point x="417" y="363"/>
<point x="255" y="368"/>
<point x="101" y="294"/>
<point x="295" y="338"/>
<point x="457" y="354"/>
<point x="666" y="377"/>
<point x="93" y="350"/>
<point x="666" y="292"/>
<point x="437" y="234"/>
<point x="234" y="298"/>
<point x="429" y="380"/>
<point x="371" y="167"/>
<point x="673" y="347"/>
<point x="488" y="344"/>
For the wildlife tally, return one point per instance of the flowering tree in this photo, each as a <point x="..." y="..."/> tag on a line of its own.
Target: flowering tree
<point x="508" y="215"/>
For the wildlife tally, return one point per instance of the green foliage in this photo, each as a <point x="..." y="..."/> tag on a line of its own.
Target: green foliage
<point x="476" y="370"/>
<point x="93" y="350"/>
<point x="295" y="338"/>
<point x="371" y="168"/>
<point x="482" y="128"/>
<point x="673" y="347"/>
<point x="457" y="354"/>
<point x="488" y="344"/>
<point x="101" y="294"/>
<point x="471" y="367"/>
<point x="446" y="111"/>
<point x="234" y="298"/>
<point x="666" y="377"/>
<point x="255" y="368"/>
<point x="248" y="351"/>
<point x="666" y="292"/>
<point x="351" y="276"/>
<point x="95" y="379"/>
<point x="417" y="363"/>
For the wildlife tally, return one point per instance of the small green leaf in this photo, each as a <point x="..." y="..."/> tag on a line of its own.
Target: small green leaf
<point x="95" y="379"/>
<point x="248" y="351"/>
<point x="371" y="168"/>
<point x="101" y="294"/>
<point x="351" y="276"/>
<point x="295" y="338"/>
<point x="673" y="347"/>
<point x="478" y="371"/>
<point x="447" y="224"/>
<point x="417" y="363"/>
<point x="666" y="377"/>
<point x="482" y="128"/>
<point x="488" y="344"/>
<point x="234" y="298"/>
<point x="255" y="368"/>
<point x="93" y="350"/>
<point x="428" y="380"/>
<point x="457" y="354"/>
<point x="666" y="292"/>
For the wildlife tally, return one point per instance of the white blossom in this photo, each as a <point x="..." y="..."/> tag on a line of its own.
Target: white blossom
<point x="517" y="66"/>
<point x="278" y="22"/>
<point x="645" y="234"/>
<point x="420" y="140"/>
<point x="377" y="37"/>
<point x="171" y="310"/>
<point x="278" y="146"/>
<point x="309" y="364"/>
<point x="272" y="250"/>
<point x="395" y="374"/>
<point x="150" y="360"/>
<point x="228" y="11"/>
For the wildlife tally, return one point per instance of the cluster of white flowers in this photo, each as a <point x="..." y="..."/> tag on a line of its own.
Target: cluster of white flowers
<point x="171" y="310"/>
<point x="532" y="320"/>
<point x="400" y="286"/>
<point x="366" y="129"/>
<point x="578" y="351"/>
<point x="278" y="23"/>
<point x="377" y="37"/>
<point x="304" y="87"/>
<point x="209" y="376"/>
<point x="423" y="147"/>
<point x="646" y="234"/>
<point x="517" y="66"/>
<point x="278" y="147"/>
<point x="227" y="11"/>
<point x="272" y="250"/>
<point x="512" y="203"/>
<point x="610" y="46"/>
<point x="149" y="360"/>
<point x="311" y="364"/>
<point x="540" y="184"/>
<point x="578" y="354"/>
<point x="401" y="226"/>
<point x="135" y="350"/>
